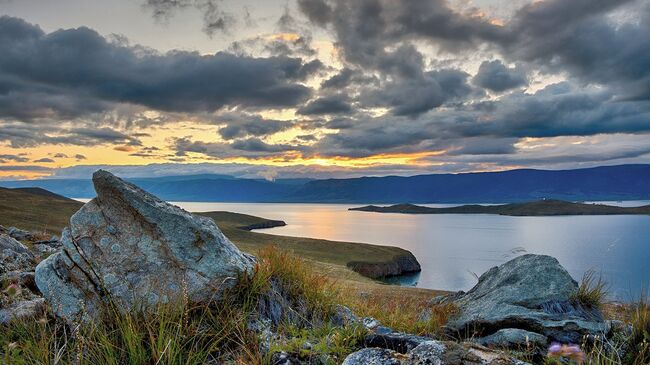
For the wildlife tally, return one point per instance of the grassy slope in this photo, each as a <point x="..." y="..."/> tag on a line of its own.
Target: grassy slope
<point x="35" y="211"/>
<point x="38" y="212"/>
<point x="537" y="208"/>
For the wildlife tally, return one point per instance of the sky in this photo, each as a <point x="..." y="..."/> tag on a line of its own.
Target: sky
<point x="321" y="88"/>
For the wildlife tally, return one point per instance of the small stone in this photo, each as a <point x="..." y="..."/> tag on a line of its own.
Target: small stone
<point x="22" y="310"/>
<point x="513" y="338"/>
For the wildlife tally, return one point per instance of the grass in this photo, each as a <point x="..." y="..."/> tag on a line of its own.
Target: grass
<point x="35" y="212"/>
<point x="592" y="291"/>
<point x="639" y="349"/>
<point x="400" y="310"/>
<point x="183" y="333"/>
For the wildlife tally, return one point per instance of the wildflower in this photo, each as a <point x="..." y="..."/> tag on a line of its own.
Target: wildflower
<point x="570" y="352"/>
<point x="12" y="290"/>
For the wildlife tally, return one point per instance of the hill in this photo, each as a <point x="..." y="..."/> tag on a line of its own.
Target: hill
<point x="624" y="182"/>
<point x="42" y="211"/>
<point x="537" y="208"/>
<point x="36" y="209"/>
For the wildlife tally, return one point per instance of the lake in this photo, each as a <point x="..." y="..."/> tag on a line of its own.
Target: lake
<point x="452" y="248"/>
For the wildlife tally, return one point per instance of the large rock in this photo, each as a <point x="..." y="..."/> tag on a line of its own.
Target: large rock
<point x="14" y="256"/>
<point x="433" y="353"/>
<point x="530" y="292"/>
<point x="128" y="246"/>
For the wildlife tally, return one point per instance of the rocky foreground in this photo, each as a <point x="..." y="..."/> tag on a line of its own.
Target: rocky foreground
<point x="133" y="251"/>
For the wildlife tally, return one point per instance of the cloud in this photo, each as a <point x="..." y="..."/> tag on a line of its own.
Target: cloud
<point x="15" y="158"/>
<point x="414" y="96"/>
<point x="248" y="147"/>
<point x="495" y="76"/>
<point x="214" y="19"/>
<point x="44" y="160"/>
<point x="240" y="125"/>
<point x="80" y="157"/>
<point x="36" y="63"/>
<point x="32" y="168"/>
<point x="21" y="135"/>
<point x="335" y="104"/>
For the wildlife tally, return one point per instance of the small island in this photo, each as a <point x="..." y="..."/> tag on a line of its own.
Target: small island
<point x="536" y="208"/>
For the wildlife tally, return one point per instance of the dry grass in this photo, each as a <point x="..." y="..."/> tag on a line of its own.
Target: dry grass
<point x="640" y="340"/>
<point x="35" y="212"/>
<point x="592" y="291"/>
<point x="178" y="332"/>
<point x="399" y="309"/>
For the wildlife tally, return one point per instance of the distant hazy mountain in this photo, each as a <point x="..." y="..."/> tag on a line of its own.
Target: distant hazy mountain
<point x="624" y="182"/>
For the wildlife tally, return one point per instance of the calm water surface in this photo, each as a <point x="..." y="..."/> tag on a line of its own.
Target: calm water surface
<point x="452" y="247"/>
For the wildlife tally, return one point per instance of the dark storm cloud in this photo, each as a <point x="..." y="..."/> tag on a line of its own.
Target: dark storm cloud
<point x="496" y="76"/>
<point x="557" y="110"/>
<point x="257" y="145"/>
<point x="84" y="72"/>
<point x="250" y="147"/>
<point x="30" y="135"/>
<point x="592" y="46"/>
<point x="414" y="96"/>
<point x="485" y="146"/>
<point x="318" y="11"/>
<point x="479" y="129"/>
<point x="581" y="37"/>
<point x="334" y="104"/>
<point x="240" y="125"/>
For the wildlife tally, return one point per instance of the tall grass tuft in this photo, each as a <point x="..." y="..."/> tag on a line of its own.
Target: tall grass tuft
<point x="592" y="291"/>
<point x="639" y="348"/>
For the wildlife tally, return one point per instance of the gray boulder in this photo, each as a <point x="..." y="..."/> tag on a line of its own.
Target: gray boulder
<point x="128" y="246"/>
<point x="14" y="256"/>
<point x="530" y="292"/>
<point x="373" y="356"/>
<point x="19" y="234"/>
<point x="433" y="353"/>
<point x="513" y="337"/>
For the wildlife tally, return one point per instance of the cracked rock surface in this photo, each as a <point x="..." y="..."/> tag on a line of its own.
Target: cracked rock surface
<point x="128" y="246"/>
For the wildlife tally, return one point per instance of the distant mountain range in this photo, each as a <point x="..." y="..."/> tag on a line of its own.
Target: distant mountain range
<point x="623" y="182"/>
